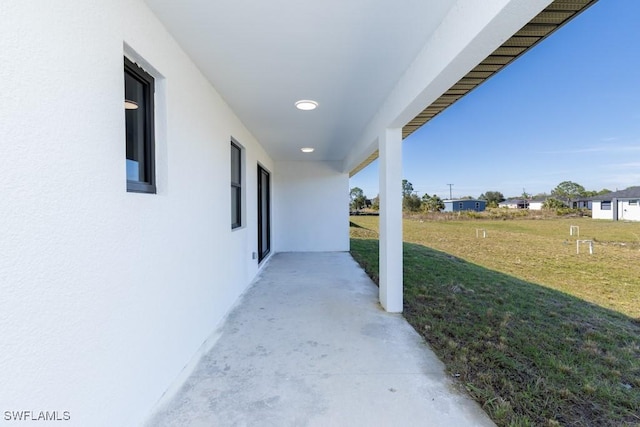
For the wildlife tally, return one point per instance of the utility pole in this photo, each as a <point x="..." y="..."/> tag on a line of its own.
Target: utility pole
<point x="450" y="193"/>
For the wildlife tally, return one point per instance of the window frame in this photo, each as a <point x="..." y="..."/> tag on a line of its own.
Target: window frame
<point x="236" y="187"/>
<point x="605" y="205"/>
<point x="633" y="202"/>
<point x="148" y="82"/>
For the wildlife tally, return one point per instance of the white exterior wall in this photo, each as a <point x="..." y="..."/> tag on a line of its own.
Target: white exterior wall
<point x="535" y="206"/>
<point x="311" y="207"/>
<point x="106" y="295"/>
<point x="598" y="213"/>
<point x="628" y="212"/>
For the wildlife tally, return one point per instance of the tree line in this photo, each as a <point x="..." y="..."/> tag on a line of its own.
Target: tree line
<point x="411" y="202"/>
<point x="560" y="197"/>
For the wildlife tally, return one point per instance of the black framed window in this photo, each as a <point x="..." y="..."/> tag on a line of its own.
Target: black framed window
<point x="236" y="186"/>
<point x="138" y="95"/>
<point x="605" y="205"/>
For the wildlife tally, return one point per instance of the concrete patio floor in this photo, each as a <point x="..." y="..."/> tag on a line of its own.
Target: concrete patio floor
<point x="309" y="345"/>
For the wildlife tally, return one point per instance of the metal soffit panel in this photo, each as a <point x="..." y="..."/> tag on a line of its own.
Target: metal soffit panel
<point x="544" y="24"/>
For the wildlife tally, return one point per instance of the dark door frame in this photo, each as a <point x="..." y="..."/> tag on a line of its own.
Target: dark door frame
<point x="264" y="186"/>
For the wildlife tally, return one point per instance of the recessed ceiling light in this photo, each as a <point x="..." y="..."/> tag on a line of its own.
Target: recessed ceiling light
<point x="130" y="105"/>
<point x="306" y="105"/>
<point x="307" y="149"/>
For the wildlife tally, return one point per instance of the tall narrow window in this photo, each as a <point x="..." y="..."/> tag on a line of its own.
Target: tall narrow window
<point x="236" y="186"/>
<point x="138" y="101"/>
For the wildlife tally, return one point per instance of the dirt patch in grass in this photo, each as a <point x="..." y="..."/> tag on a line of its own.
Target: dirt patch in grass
<point x="529" y="354"/>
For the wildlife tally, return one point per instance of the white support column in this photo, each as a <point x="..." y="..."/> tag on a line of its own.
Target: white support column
<point x="390" y="171"/>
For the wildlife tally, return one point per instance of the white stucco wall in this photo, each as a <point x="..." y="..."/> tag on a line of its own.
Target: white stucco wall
<point x="105" y="294"/>
<point x="311" y="207"/>
<point x="627" y="211"/>
<point x="598" y="213"/>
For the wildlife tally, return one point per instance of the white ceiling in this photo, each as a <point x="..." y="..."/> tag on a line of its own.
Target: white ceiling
<point x="262" y="56"/>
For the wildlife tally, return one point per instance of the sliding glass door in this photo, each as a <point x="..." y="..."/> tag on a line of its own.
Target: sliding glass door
<point x="264" y="213"/>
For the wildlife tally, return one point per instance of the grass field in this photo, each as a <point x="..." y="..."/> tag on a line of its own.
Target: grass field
<point x="538" y="334"/>
<point x="542" y="252"/>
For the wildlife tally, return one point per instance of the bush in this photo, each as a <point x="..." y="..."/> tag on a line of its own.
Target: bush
<point x="411" y="203"/>
<point x="473" y="214"/>
<point x="552" y="203"/>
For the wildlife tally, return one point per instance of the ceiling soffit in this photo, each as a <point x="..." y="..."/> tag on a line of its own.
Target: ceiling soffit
<point x="262" y="57"/>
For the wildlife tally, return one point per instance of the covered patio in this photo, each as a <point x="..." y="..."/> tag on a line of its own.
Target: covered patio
<point x="158" y="165"/>
<point x="309" y="344"/>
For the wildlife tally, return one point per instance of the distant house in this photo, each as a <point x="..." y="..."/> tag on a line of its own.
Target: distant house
<point x="536" y="204"/>
<point x="582" y="203"/>
<point x="618" y="205"/>
<point x="514" y="204"/>
<point x="464" y="205"/>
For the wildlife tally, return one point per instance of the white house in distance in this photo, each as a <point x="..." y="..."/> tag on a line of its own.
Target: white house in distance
<point x="618" y="205"/>
<point x="536" y="204"/>
<point x="153" y="158"/>
<point x="514" y="204"/>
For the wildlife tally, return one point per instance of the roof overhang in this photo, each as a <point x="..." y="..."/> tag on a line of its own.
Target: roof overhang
<point x="554" y="16"/>
<point x="369" y="64"/>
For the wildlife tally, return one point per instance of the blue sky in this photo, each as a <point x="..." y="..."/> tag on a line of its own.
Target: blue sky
<point x="569" y="109"/>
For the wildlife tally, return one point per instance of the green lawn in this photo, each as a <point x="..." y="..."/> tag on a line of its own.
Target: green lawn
<point x="536" y="333"/>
